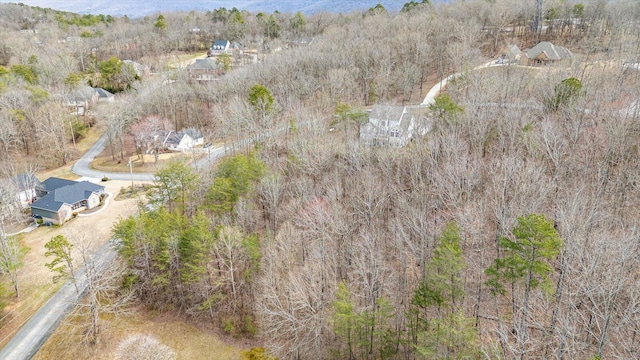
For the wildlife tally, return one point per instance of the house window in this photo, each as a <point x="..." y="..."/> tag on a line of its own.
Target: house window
<point x="395" y="133"/>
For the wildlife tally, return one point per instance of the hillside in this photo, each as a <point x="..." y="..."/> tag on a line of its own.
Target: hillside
<point x="140" y="9"/>
<point x="507" y="230"/>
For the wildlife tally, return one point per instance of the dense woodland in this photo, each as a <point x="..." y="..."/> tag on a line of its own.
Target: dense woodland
<point x="508" y="231"/>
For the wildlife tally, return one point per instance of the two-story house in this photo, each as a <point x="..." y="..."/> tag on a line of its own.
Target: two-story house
<point x="388" y="125"/>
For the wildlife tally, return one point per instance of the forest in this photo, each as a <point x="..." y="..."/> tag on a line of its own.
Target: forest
<point x="509" y="230"/>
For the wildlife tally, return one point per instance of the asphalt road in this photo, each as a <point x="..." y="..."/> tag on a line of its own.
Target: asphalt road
<point x="82" y="166"/>
<point x="26" y="343"/>
<point x="430" y="98"/>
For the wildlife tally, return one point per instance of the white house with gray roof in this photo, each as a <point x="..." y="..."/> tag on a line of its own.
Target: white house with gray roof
<point x="184" y="140"/>
<point x="388" y="126"/>
<point x="513" y="54"/>
<point x="58" y="199"/>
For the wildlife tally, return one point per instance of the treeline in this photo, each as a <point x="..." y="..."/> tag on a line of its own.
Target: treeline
<point x="190" y="252"/>
<point x="358" y="59"/>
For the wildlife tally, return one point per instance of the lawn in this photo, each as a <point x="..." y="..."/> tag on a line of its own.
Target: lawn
<point x="187" y="340"/>
<point x="143" y="164"/>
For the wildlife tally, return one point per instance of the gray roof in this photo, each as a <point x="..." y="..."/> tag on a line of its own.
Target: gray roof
<point x="204" y="64"/>
<point x="387" y="112"/>
<point x="553" y="52"/>
<point x="102" y="93"/>
<point x="53" y="183"/>
<point x="62" y="191"/>
<point x="220" y="45"/>
<point x="83" y="94"/>
<point x="513" y="49"/>
<point x="174" y="138"/>
<point x="47" y="202"/>
<point x="399" y="117"/>
<point x="193" y="132"/>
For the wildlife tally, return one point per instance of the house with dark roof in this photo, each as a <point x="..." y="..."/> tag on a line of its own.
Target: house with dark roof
<point x="204" y="69"/>
<point x="388" y="126"/>
<point x="58" y="199"/>
<point x="546" y="53"/>
<point x="183" y="140"/>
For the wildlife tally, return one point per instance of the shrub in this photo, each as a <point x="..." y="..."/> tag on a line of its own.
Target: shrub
<point x="140" y="346"/>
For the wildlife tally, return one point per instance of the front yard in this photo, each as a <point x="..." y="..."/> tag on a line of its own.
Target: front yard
<point x="35" y="279"/>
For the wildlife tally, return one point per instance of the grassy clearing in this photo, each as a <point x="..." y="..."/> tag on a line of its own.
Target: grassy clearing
<point x="87" y="142"/>
<point x="130" y="193"/>
<point x="145" y="165"/>
<point x="186" y="57"/>
<point x="19" y="311"/>
<point x="188" y="341"/>
<point x="182" y="60"/>
<point x="63" y="172"/>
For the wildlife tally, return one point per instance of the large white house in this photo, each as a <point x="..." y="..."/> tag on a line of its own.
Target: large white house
<point x="388" y="125"/>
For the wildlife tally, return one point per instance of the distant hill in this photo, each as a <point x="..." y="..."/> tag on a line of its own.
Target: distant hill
<point x="142" y="8"/>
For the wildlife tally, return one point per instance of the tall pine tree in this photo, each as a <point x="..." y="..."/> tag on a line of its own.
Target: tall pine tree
<point x="448" y="334"/>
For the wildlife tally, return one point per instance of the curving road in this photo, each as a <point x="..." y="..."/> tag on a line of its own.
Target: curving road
<point x="430" y="98"/>
<point x="82" y="166"/>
